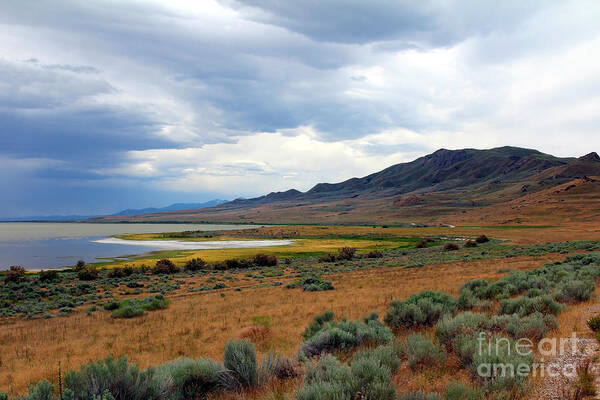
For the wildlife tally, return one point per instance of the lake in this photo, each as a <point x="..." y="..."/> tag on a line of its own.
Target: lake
<point x="36" y="245"/>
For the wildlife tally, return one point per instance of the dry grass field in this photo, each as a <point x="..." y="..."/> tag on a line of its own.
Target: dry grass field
<point x="199" y="324"/>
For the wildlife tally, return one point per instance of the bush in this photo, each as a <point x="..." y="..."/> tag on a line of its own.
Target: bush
<point x="451" y="247"/>
<point x="276" y="367"/>
<point x="329" y="379"/>
<point x="529" y="305"/>
<point x="502" y="352"/>
<point x="129" y="308"/>
<point x="575" y="291"/>
<point x="195" y="264"/>
<point x="533" y="326"/>
<point x="88" y="273"/>
<point x="460" y="391"/>
<point x="317" y="324"/>
<point x="165" y="266"/>
<point x="346" y="253"/>
<point x="374" y="254"/>
<point x="122" y="380"/>
<point x="79" y="266"/>
<point x="312" y="283"/>
<point x="50" y="275"/>
<point x="265" y="260"/>
<point x="192" y="379"/>
<point x="421" y="309"/>
<point x="116" y="273"/>
<point x="470" y="243"/>
<point x="594" y="323"/>
<point x="466" y="323"/>
<point x="330" y="336"/>
<point x="240" y="361"/>
<point x="422" y="244"/>
<point x="327" y="258"/>
<point x="15" y="274"/>
<point x="422" y="352"/>
<point x="482" y="239"/>
<point x="387" y="355"/>
<point x="42" y="391"/>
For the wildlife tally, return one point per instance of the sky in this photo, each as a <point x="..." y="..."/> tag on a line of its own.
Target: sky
<point x="107" y="105"/>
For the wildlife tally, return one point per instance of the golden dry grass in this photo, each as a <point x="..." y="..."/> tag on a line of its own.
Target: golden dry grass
<point x="200" y="324"/>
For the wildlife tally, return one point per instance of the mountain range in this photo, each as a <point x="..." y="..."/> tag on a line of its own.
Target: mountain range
<point x="445" y="185"/>
<point x="129" y="211"/>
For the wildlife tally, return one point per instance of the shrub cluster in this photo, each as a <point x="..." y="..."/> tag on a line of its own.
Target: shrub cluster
<point x="165" y="266"/>
<point x="129" y="308"/>
<point x="324" y="335"/>
<point x="345" y="253"/>
<point x="368" y="376"/>
<point x="421" y="309"/>
<point x="311" y="283"/>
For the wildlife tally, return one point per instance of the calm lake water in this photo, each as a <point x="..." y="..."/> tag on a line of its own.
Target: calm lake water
<point x="36" y="245"/>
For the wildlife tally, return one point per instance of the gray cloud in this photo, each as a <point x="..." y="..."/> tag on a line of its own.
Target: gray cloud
<point x="86" y="83"/>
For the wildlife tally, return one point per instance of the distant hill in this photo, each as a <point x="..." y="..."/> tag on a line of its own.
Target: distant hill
<point x="172" y="207"/>
<point x="60" y="218"/>
<point x="430" y="188"/>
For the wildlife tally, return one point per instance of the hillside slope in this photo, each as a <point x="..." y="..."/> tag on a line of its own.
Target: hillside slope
<point x="433" y="188"/>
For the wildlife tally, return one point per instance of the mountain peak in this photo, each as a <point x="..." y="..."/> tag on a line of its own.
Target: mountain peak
<point x="593" y="156"/>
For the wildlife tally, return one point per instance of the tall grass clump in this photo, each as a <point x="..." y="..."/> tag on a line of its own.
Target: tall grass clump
<point x="421" y="309"/>
<point x="240" y="361"/>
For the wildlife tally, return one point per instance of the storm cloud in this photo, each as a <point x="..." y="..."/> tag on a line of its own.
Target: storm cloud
<point x="112" y="105"/>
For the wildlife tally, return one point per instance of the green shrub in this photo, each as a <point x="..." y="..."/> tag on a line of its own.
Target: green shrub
<point x="466" y="323"/>
<point x="195" y="264"/>
<point x="165" y="266"/>
<point x="192" y="379"/>
<point x="312" y="283"/>
<point x="594" y="323"/>
<point x="504" y="355"/>
<point x="422" y="309"/>
<point x="387" y="355"/>
<point x="533" y="326"/>
<point x="122" y="380"/>
<point x="317" y="324"/>
<point x="42" y="391"/>
<point x="129" y="308"/>
<point x="240" y="361"/>
<point x="460" y="391"/>
<point x="575" y="291"/>
<point x="15" y="274"/>
<point x="470" y="243"/>
<point x="50" y="275"/>
<point x="342" y="335"/>
<point x="528" y="305"/>
<point x="421" y="352"/>
<point x="328" y="379"/>
<point x="88" y="273"/>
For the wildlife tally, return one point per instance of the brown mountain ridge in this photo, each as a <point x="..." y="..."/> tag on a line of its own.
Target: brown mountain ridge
<point x="445" y="186"/>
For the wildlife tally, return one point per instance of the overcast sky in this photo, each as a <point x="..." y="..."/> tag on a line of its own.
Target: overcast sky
<point x="106" y="105"/>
